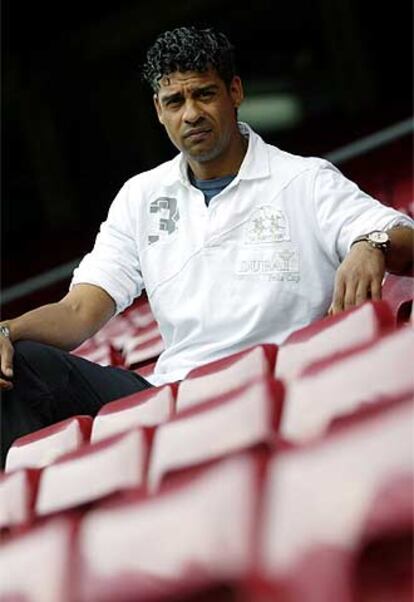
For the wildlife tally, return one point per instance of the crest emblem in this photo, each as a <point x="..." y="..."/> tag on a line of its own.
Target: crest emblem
<point x="267" y="225"/>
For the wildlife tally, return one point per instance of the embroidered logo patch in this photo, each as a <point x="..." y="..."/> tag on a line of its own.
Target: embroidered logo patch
<point x="281" y="264"/>
<point x="267" y="225"/>
<point x="164" y="216"/>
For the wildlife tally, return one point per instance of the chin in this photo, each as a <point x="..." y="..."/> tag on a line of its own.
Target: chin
<point x="206" y="156"/>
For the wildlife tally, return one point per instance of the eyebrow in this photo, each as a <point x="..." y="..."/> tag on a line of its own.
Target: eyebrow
<point x="169" y="97"/>
<point x="196" y="92"/>
<point x="206" y="88"/>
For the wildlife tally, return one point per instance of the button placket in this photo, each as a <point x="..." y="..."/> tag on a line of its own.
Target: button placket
<point x="214" y="212"/>
<point x="199" y="212"/>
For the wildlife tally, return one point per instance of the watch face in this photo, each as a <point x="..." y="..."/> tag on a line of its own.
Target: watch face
<point x="378" y="237"/>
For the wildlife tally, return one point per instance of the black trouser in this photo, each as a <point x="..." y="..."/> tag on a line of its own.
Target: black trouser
<point x="50" y="385"/>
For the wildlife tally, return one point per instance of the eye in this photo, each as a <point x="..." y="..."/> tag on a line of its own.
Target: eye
<point x="173" y="103"/>
<point x="205" y="94"/>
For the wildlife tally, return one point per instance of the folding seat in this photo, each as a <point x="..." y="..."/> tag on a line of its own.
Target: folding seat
<point x="102" y="354"/>
<point x="36" y="566"/>
<point x="326" y="502"/>
<point x="142" y="335"/>
<point x="213" y="591"/>
<point x="146" y="408"/>
<point x="96" y="471"/>
<point x="244" y="418"/>
<point x="17" y="497"/>
<point x="140" y="314"/>
<point x="42" y="447"/>
<point x="146" y="370"/>
<point x="224" y="375"/>
<point x="338" y="386"/>
<point x="115" y="332"/>
<point x="331" y="335"/>
<point x="143" y="346"/>
<point x="398" y="292"/>
<point x="165" y="546"/>
<point x="105" y="347"/>
<point x="383" y="563"/>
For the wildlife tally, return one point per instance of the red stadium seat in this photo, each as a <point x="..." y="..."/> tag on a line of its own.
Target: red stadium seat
<point x="105" y="347"/>
<point x="146" y="343"/>
<point x="17" y="497"/>
<point x="320" y="500"/>
<point x="222" y="376"/>
<point x="384" y="558"/>
<point x="127" y="340"/>
<point x="146" y="408"/>
<point x="241" y="419"/>
<point x="115" y="332"/>
<point x="398" y="292"/>
<point x="36" y="566"/>
<point x="146" y="370"/>
<point x="97" y="471"/>
<point x="102" y="354"/>
<point x="42" y="447"/>
<point x="382" y="370"/>
<point x="140" y="314"/>
<point x="332" y="335"/>
<point x="163" y="547"/>
<point x="141" y="349"/>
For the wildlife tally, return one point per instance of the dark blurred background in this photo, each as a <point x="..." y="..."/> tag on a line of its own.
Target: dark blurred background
<point x="77" y="121"/>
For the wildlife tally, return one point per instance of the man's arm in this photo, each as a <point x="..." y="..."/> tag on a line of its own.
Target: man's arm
<point x="360" y="275"/>
<point x="65" y="324"/>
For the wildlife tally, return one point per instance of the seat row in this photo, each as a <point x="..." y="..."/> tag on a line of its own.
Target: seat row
<point x="276" y="471"/>
<point x="292" y="523"/>
<point x="143" y="440"/>
<point x="133" y="339"/>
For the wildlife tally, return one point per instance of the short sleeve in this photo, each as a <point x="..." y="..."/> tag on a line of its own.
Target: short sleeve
<point x="113" y="264"/>
<point x="343" y="211"/>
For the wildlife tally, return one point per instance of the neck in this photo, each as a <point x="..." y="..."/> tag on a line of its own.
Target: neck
<point x="221" y="166"/>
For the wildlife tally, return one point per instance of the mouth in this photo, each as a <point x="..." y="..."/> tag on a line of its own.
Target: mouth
<point x="197" y="134"/>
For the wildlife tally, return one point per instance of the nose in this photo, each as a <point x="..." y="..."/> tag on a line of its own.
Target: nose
<point x="192" y="112"/>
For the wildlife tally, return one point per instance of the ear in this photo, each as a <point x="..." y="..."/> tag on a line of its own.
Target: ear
<point x="236" y="91"/>
<point x="158" y="108"/>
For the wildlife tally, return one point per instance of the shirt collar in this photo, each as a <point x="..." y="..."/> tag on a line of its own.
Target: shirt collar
<point x="255" y="164"/>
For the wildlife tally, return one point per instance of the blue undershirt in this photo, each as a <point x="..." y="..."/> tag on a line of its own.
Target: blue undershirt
<point x="211" y="188"/>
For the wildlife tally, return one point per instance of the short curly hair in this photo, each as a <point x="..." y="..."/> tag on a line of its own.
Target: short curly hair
<point x="189" y="49"/>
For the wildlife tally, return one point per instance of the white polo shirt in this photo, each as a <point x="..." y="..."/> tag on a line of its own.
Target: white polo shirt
<point x="256" y="264"/>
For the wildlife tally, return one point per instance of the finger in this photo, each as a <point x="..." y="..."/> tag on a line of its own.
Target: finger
<point x="363" y="292"/>
<point x="350" y="295"/>
<point x="376" y="286"/>
<point x="337" y="304"/>
<point x="5" y="384"/>
<point x="7" y="360"/>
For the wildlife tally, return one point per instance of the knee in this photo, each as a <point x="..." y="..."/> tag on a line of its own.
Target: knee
<point x="34" y="355"/>
<point x="28" y="350"/>
<point x="41" y="363"/>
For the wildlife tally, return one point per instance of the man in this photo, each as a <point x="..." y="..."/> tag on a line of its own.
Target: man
<point x="235" y="241"/>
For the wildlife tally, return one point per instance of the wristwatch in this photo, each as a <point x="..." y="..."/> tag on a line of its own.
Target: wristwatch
<point x="378" y="239"/>
<point x="5" y="331"/>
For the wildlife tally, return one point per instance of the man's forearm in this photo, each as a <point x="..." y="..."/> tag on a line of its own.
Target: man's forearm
<point x="52" y="324"/>
<point x="67" y="323"/>
<point x="399" y="258"/>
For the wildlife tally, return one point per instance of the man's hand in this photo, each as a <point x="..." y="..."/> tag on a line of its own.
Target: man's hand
<point x="6" y="362"/>
<point x="65" y="324"/>
<point x="358" y="278"/>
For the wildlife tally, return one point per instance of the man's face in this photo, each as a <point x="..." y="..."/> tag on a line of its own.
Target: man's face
<point x="198" y="112"/>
